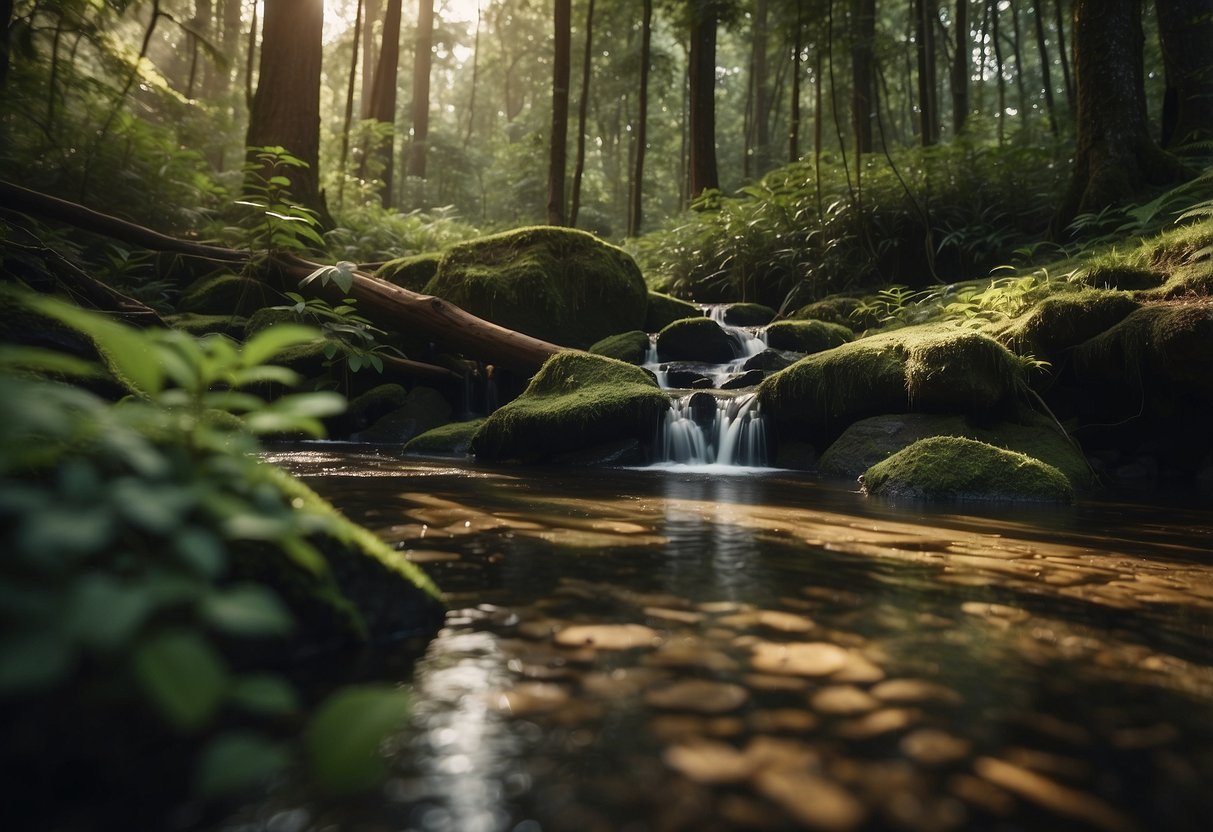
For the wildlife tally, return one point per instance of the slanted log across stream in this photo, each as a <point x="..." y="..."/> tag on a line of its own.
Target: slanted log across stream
<point x="387" y="306"/>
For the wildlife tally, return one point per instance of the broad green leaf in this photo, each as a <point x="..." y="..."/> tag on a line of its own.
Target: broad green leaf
<point x="233" y="763"/>
<point x="35" y="359"/>
<point x="201" y="550"/>
<point x="265" y="694"/>
<point x="247" y="610"/>
<point x="344" y="736"/>
<point x="266" y="373"/>
<point x="64" y="531"/>
<point x="156" y="507"/>
<point x="33" y="661"/>
<point x="183" y="677"/>
<point x="232" y="401"/>
<point x="274" y="340"/>
<point x="105" y="613"/>
<point x="317" y="405"/>
<point x="272" y="422"/>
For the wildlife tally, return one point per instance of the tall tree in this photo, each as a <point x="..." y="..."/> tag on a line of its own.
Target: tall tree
<point x="999" y="67"/>
<point x="286" y="107"/>
<point x="1017" y="54"/>
<point x="583" y="108"/>
<point x="1185" y="28"/>
<point x="1046" y="76"/>
<point x="926" y="17"/>
<point x="635" y="207"/>
<point x="962" y="68"/>
<point x="1062" y="54"/>
<point x="760" y="83"/>
<point x="794" y="108"/>
<point x="467" y="137"/>
<point x="383" y="98"/>
<point x="561" y="69"/>
<point x="420" y="109"/>
<point x="701" y="125"/>
<point x="863" y="22"/>
<point x="1115" y="157"/>
<point x="349" y="106"/>
<point x="370" y="56"/>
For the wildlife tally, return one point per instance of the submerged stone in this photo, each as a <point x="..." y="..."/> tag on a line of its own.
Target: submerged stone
<point x="699" y="696"/>
<point x="740" y="381"/>
<point x="807" y="337"/>
<point x="631" y="347"/>
<point x="663" y="310"/>
<point x="944" y="468"/>
<point x="770" y="361"/>
<point x="558" y="284"/>
<point x="607" y="636"/>
<point x="575" y="401"/>
<point x="695" y="339"/>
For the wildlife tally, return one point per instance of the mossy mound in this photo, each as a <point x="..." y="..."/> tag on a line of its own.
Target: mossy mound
<point x="575" y="401"/>
<point x="807" y="336"/>
<point x="695" y="339"/>
<point x="847" y="311"/>
<point x="454" y="439"/>
<point x="424" y="409"/>
<point x="932" y="369"/>
<point x="748" y="314"/>
<point x="631" y="347"/>
<point x="1120" y="276"/>
<point x="558" y="284"/>
<point x="369" y="407"/>
<point x="269" y="316"/>
<point x="1062" y="322"/>
<point x="663" y="310"/>
<point x="232" y="326"/>
<point x="952" y="468"/>
<point x="412" y="273"/>
<point x="871" y="441"/>
<point x="227" y="294"/>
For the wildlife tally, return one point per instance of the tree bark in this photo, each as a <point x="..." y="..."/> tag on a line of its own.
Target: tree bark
<point x="558" y="152"/>
<point x="961" y="68"/>
<point x="348" y="123"/>
<point x="702" y="117"/>
<point x="1046" y="75"/>
<point x="383" y="98"/>
<point x="421" y="89"/>
<point x="467" y="138"/>
<point x="1185" y="28"/>
<point x="6" y="25"/>
<point x="636" y="205"/>
<point x="1064" y="54"/>
<point x="863" y="19"/>
<point x="286" y="108"/>
<point x="1115" y="156"/>
<point x="794" y="107"/>
<point x="996" y="40"/>
<point x="384" y="304"/>
<point x="926" y="13"/>
<point x="1017" y="54"/>
<point x="582" y="113"/>
<point x="762" y="133"/>
<point x="370" y="57"/>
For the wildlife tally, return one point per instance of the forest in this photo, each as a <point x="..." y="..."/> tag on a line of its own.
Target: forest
<point x="606" y="414"/>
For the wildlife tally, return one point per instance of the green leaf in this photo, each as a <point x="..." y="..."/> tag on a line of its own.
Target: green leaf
<point x="33" y="661"/>
<point x="265" y="694"/>
<point x="183" y="676"/>
<point x="105" y="613"/>
<point x="233" y="763"/>
<point x="247" y="610"/>
<point x="201" y="550"/>
<point x="39" y="360"/>
<point x="344" y="736"/>
<point x="273" y="341"/>
<point x="266" y="373"/>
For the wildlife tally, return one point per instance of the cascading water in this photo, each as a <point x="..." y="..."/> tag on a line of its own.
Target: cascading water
<point x="702" y="429"/>
<point x="653" y="363"/>
<point x="746" y="343"/>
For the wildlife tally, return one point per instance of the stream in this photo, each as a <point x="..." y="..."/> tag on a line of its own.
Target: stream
<point x="724" y="649"/>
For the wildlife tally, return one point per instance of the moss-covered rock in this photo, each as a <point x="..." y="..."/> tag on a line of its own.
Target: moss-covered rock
<point x="933" y="369"/>
<point x="424" y="409"/>
<point x="1062" y="322"/>
<point x="871" y="441"/>
<point x="695" y="339"/>
<point x="631" y="347"/>
<point x="454" y="439"/>
<point x="412" y="273"/>
<point x="227" y="294"/>
<point x="770" y="361"/>
<point x="558" y="284"/>
<point x="575" y="401"/>
<point x="271" y="316"/>
<point x="663" y="310"/>
<point x="747" y="314"/>
<point x="367" y="408"/>
<point x="837" y="309"/>
<point x="949" y="468"/>
<point x="232" y="326"/>
<point x="807" y="336"/>
<point x="1120" y="276"/>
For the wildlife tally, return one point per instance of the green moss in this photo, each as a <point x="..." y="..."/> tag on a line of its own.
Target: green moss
<point x="938" y="369"/>
<point x="575" y="401"/>
<point x="412" y="273"/>
<point x="839" y="309"/>
<point x="270" y="316"/>
<point x="367" y="408"/>
<point x="663" y="310"/>
<point x="1062" y="322"/>
<point x="807" y="336"/>
<point x="232" y="326"/>
<point x="558" y="284"/>
<point x="628" y="346"/>
<point x="227" y="294"/>
<point x="1114" y="275"/>
<point x="946" y="468"/>
<point x="695" y="339"/>
<point x="748" y="314"/>
<point x="454" y="439"/>
<point x="423" y="409"/>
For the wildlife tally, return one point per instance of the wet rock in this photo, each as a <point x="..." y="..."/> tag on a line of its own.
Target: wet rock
<point x="770" y="361"/>
<point x="784" y="622"/>
<point x="812" y="800"/>
<point x="807" y="337"/>
<point x="698" y="696"/>
<point x="681" y="379"/>
<point x="424" y="409"/>
<point x="843" y="700"/>
<point x="710" y="762"/>
<point x="750" y="378"/>
<point x="877" y="723"/>
<point x="782" y="721"/>
<point x="607" y="636"/>
<point x="695" y="339"/>
<point x="663" y="310"/>
<point x="1053" y="796"/>
<point x="532" y="698"/>
<point x="911" y="691"/>
<point x="747" y="314"/>
<point x="631" y="347"/>
<point x="814" y="658"/>
<point x="931" y="747"/>
<point x="454" y="439"/>
<point x="691" y="653"/>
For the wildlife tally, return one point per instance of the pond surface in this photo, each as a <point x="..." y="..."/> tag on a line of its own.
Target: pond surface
<point x="675" y="650"/>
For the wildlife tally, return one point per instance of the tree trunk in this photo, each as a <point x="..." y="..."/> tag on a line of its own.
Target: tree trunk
<point x="370" y="57"/>
<point x="250" y="60"/>
<point x="794" y="107"/>
<point x="863" y="19"/>
<point x="347" y="124"/>
<point x="702" y="120"/>
<point x="582" y="113"/>
<point x="1017" y="54"/>
<point x="761" y="83"/>
<point x="925" y="15"/>
<point x="1064" y="55"/>
<point x="1115" y="156"/>
<point x="467" y="138"/>
<point x="563" y="24"/>
<point x="961" y="68"/>
<point x="996" y="40"/>
<point x="383" y="99"/>
<point x="636" y="206"/>
<point x="1046" y="75"/>
<point x="1186" y="30"/>
<point x="421" y="88"/>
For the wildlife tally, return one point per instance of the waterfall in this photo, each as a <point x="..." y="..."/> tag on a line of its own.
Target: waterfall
<point x="653" y="364"/>
<point x="731" y="433"/>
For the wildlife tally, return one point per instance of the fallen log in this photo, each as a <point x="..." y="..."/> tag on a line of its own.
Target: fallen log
<point x="384" y="304"/>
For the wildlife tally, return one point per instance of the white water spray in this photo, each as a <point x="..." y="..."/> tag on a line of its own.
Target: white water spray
<point x="733" y="435"/>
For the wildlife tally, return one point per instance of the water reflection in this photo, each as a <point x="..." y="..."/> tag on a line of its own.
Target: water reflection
<point x="682" y="651"/>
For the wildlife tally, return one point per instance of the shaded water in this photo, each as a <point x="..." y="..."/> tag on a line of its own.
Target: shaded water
<point x="657" y="650"/>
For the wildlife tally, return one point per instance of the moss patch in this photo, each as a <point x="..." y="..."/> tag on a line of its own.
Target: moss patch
<point x="631" y="347"/>
<point x="1062" y="322"/>
<point x="748" y="314"/>
<point x="412" y="273"/>
<point x="232" y="326"/>
<point x="947" y="468"/>
<point x="807" y="336"/>
<point x="695" y="339"/>
<point x="454" y="439"/>
<point x="369" y="407"/>
<point x="424" y="409"/>
<point x="839" y="309"/>
<point x="227" y="294"/>
<point x="558" y="284"/>
<point x="663" y="310"/>
<point x="575" y="401"/>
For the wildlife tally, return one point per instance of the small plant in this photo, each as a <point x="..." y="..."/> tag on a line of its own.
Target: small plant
<point x="277" y="222"/>
<point x="345" y="331"/>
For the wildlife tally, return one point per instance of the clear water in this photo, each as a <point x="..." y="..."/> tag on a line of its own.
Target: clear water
<point x="666" y="650"/>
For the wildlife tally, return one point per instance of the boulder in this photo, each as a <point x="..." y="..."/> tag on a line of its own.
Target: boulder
<point x="953" y="468"/>
<point x="631" y="347"/>
<point x="558" y="284"/>
<point x="424" y="409"/>
<point x="412" y="273"/>
<point x="663" y="310"/>
<point x="681" y="378"/>
<point x="576" y="401"/>
<point x="747" y="314"/>
<point x="1062" y="322"/>
<point x="807" y="337"/>
<point x="738" y="381"/>
<point x="770" y="361"/>
<point x="369" y="407"/>
<point x="454" y="439"/>
<point x="695" y="339"/>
